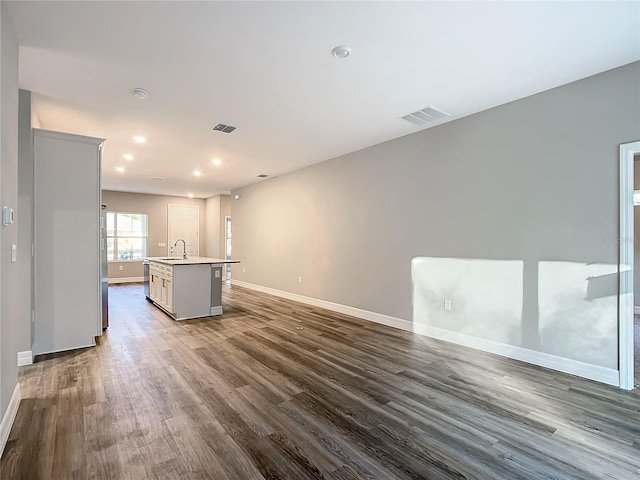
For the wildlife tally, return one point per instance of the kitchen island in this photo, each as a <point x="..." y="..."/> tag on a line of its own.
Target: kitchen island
<point x="187" y="288"/>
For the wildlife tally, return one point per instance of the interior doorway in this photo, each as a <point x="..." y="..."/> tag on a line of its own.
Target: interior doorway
<point x="636" y="271"/>
<point x="627" y="240"/>
<point x="227" y="246"/>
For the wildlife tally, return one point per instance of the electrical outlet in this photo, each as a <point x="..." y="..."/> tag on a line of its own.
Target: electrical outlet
<point x="447" y="305"/>
<point x="244" y="269"/>
<point x="299" y="279"/>
<point x="120" y="267"/>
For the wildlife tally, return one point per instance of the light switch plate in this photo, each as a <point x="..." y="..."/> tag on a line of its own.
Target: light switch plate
<point x="162" y="244"/>
<point x="14" y="253"/>
<point x="7" y="215"/>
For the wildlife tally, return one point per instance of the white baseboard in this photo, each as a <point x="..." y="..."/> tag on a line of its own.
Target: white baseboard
<point x="334" y="307"/>
<point x="606" y="375"/>
<point x="126" y="280"/>
<point x="68" y="349"/>
<point x="9" y="417"/>
<point x="25" y="358"/>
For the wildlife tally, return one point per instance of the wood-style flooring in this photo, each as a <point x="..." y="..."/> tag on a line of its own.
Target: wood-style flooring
<point x="636" y="349"/>
<point x="275" y="389"/>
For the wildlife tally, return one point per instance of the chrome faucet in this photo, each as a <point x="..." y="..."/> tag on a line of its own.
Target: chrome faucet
<point x="184" y="248"/>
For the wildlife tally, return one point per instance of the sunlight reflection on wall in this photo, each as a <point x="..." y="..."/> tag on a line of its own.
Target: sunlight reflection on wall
<point x="572" y="307"/>
<point x="486" y="296"/>
<point x="578" y="316"/>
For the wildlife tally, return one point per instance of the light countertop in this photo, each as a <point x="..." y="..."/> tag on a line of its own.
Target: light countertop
<point x="190" y="260"/>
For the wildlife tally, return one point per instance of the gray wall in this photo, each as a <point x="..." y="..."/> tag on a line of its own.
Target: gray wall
<point x="12" y="327"/>
<point x="35" y="118"/>
<point x="155" y="206"/>
<point x="218" y="208"/>
<point x="535" y="181"/>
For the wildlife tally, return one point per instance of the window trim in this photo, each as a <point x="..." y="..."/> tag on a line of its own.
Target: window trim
<point x="116" y="236"/>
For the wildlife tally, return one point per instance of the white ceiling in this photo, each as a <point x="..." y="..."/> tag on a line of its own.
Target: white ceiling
<point x="266" y="68"/>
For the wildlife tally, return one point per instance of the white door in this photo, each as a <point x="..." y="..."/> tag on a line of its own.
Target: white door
<point x="183" y="223"/>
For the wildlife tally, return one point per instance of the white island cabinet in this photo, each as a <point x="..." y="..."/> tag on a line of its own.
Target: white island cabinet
<point x="187" y="288"/>
<point x="161" y="285"/>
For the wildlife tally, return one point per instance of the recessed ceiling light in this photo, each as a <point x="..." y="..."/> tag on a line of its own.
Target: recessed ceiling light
<point x="236" y="196"/>
<point x="139" y="139"/>
<point x="190" y="195"/>
<point x="341" y="51"/>
<point x="216" y="161"/>
<point x="197" y="173"/>
<point x="139" y="93"/>
<point x="120" y="169"/>
<point x="127" y="156"/>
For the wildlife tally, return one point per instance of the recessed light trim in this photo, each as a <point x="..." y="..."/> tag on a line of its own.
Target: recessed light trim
<point x="159" y="178"/>
<point x="139" y="93"/>
<point x="341" y="51"/>
<point x="139" y="139"/>
<point x="217" y="162"/>
<point x="236" y="197"/>
<point x="127" y="156"/>
<point x="197" y="173"/>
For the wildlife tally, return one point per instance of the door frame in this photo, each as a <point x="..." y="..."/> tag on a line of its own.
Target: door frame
<point x="227" y="267"/>
<point x="625" y="266"/>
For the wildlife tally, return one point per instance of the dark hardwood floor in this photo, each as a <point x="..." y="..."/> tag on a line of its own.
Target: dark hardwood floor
<point x="275" y="389"/>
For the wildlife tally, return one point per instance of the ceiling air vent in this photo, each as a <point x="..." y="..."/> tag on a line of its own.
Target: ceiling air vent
<point x="263" y="175"/>
<point x="221" y="127"/>
<point x="426" y="115"/>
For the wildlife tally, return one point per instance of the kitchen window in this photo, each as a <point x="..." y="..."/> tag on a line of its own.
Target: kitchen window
<point x="126" y="236"/>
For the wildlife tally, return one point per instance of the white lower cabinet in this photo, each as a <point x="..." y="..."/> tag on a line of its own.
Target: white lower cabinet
<point x="163" y="293"/>
<point x="161" y="285"/>
<point x="168" y="288"/>
<point x="153" y="286"/>
<point x="183" y="291"/>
